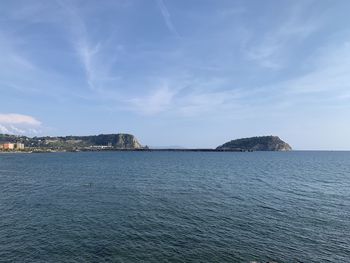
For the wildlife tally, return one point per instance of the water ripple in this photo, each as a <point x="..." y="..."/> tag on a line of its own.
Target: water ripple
<point x="175" y="207"/>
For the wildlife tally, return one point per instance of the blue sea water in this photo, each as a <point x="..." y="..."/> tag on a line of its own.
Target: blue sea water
<point x="175" y="207"/>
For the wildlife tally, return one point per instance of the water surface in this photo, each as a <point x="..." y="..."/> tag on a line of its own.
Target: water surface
<point x="175" y="207"/>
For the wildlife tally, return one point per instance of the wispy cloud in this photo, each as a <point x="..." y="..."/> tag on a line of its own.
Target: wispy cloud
<point x="96" y="55"/>
<point x="87" y="55"/>
<point x="209" y="102"/>
<point x="159" y="101"/>
<point x="11" y="57"/>
<point x="329" y="73"/>
<point x="233" y="11"/>
<point x="323" y="83"/>
<point x="167" y="18"/>
<point x="78" y="35"/>
<point x="270" y="47"/>
<point x="326" y="76"/>
<point x="79" y="39"/>
<point x="189" y="97"/>
<point x="22" y="69"/>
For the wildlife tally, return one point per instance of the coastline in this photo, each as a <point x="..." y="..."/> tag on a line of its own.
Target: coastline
<point x="125" y="150"/>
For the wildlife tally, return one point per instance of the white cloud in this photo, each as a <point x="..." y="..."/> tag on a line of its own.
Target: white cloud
<point x="18" y="124"/>
<point x="13" y="118"/>
<point x="3" y="129"/>
<point x="16" y="130"/>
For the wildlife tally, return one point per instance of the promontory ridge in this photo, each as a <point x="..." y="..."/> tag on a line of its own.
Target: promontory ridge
<point x="120" y="141"/>
<point x="262" y="143"/>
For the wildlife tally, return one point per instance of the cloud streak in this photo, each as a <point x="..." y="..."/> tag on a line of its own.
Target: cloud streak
<point x="85" y="50"/>
<point x="167" y="18"/>
<point x="87" y="55"/>
<point x="96" y="54"/>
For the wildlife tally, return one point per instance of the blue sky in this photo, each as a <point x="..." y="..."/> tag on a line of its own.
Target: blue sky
<point x="191" y="73"/>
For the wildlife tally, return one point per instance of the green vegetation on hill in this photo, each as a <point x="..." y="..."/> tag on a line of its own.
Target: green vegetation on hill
<point x="262" y="143"/>
<point x="118" y="141"/>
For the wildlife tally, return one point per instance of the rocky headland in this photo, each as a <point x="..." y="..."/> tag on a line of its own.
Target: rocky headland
<point x="94" y="142"/>
<point x="262" y="143"/>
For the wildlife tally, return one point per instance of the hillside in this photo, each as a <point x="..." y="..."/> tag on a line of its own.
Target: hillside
<point x="262" y="143"/>
<point x="118" y="141"/>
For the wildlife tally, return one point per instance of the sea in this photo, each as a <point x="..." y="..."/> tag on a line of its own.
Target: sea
<point x="175" y="207"/>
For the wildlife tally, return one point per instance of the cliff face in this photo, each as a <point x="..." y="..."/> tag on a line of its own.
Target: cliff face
<point x="120" y="141"/>
<point x="126" y="141"/>
<point x="263" y="143"/>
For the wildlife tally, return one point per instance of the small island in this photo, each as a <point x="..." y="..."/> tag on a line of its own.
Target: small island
<point x="262" y="143"/>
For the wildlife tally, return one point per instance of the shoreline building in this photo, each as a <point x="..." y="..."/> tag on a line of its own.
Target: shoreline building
<point x="12" y="146"/>
<point x="19" y="146"/>
<point x="8" y="146"/>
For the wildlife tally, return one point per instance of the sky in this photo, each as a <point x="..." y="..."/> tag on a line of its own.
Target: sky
<point x="191" y="73"/>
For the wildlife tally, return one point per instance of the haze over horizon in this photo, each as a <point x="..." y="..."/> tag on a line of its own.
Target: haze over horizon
<point x="171" y="72"/>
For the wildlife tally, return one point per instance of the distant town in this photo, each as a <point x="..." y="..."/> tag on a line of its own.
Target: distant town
<point x="8" y="146"/>
<point x="102" y="142"/>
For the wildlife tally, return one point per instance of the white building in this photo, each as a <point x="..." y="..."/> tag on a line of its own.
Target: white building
<point x="19" y="146"/>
